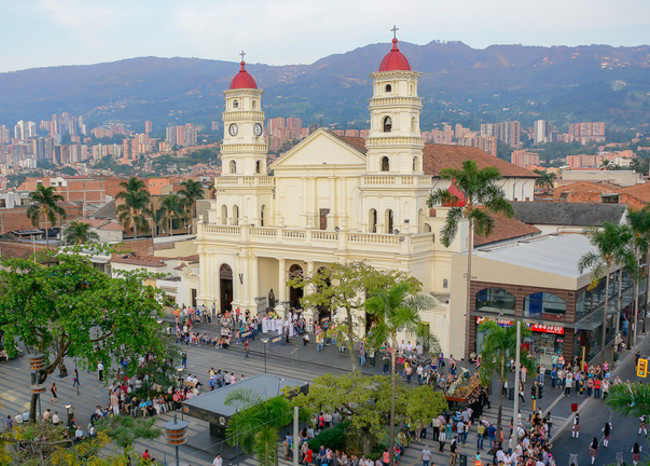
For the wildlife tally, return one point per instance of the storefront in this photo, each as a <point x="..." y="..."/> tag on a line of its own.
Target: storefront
<point x="543" y="341"/>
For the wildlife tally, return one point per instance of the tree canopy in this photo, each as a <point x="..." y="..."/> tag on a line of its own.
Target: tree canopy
<point x="69" y="308"/>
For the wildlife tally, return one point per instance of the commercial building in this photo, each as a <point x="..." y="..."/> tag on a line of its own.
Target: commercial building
<point x="538" y="282"/>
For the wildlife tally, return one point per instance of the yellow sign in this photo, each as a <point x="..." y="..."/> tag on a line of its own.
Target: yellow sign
<point x="642" y="368"/>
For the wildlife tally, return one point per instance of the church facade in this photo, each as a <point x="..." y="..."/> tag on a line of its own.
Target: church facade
<point x="334" y="199"/>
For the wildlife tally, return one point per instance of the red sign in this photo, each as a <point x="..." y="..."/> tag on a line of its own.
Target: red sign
<point x="542" y="328"/>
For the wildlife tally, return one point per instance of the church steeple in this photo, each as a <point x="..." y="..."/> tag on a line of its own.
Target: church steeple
<point x="394" y="143"/>
<point x="243" y="152"/>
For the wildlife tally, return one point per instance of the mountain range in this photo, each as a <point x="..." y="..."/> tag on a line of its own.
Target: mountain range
<point x="459" y="84"/>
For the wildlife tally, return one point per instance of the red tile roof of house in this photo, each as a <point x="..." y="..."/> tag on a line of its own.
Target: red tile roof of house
<point x="640" y="191"/>
<point x="439" y="156"/>
<point x="588" y="186"/>
<point x="505" y="229"/>
<point x="144" y="261"/>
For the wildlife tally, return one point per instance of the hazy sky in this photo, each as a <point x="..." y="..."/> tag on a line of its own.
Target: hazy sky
<point x="37" y="33"/>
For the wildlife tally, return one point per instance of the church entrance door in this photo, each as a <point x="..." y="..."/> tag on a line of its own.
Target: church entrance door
<point x="295" y="294"/>
<point x="225" y="285"/>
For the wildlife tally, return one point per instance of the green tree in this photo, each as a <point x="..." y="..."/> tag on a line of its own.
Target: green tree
<point x="256" y="423"/>
<point x="610" y="243"/>
<point x="630" y="399"/>
<point x="480" y="195"/>
<point x="500" y="345"/>
<point x="345" y="286"/>
<point x="45" y="208"/>
<point x="191" y="192"/>
<point x="133" y="210"/>
<point x="365" y="403"/>
<point x="125" y="430"/>
<point x="79" y="233"/>
<point x="69" y="308"/>
<point x="396" y="310"/>
<point x="429" y="340"/>
<point x="639" y="223"/>
<point x="171" y="208"/>
<point x="546" y="180"/>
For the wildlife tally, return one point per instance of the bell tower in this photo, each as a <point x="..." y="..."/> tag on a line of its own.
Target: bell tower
<point x="243" y="152"/>
<point x="394" y="145"/>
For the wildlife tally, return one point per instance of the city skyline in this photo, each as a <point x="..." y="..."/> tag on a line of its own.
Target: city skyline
<point x="68" y="32"/>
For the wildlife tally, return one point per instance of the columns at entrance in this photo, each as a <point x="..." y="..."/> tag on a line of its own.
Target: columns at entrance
<point x="308" y="313"/>
<point x="333" y="208"/>
<point x="282" y="287"/>
<point x="255" y="288"/>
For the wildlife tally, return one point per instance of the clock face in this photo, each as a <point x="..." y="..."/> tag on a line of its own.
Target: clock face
<point x="258" y="129"/>
<point x="232" y="129"/>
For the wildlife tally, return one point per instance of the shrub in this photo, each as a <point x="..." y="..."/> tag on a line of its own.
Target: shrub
<point x="333" y="438"/>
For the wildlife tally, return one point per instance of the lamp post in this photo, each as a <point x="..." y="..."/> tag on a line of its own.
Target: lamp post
<point x="37" y="363"/>
<point x="70" y="411"/>
<point x="265" y="341"/>
<point x="176" y="433"/>
<point x="515" y="412"/>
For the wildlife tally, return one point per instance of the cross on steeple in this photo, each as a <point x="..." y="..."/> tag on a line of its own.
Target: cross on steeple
<point x="395" y="29"/>
<point x="242" y="54"/>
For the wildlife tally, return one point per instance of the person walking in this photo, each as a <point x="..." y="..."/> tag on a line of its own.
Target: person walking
<point x="480" y="433"/>
<point x="567" y="385"/>
<point x="53" y="390"/>
<point x="636" y="453"/>
<point x="426" y="456"/>
<point x="246" y="349"/>
<point x="575" y="429"/>
<point x="607" y="431"/>
<point x="100" y="371"/>
<point x="75" y="380"/>
<point x="442" y="436"/>
<point x="643" y="425"/>
<point x="593" y="450"/>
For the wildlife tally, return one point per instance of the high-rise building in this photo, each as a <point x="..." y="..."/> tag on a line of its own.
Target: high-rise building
<point x="148" y="127"/>
<point x="540" y="133"/>
<point x="4" y="134"/>
<point x="524" y="158"/>
<point x="508" y="132"/>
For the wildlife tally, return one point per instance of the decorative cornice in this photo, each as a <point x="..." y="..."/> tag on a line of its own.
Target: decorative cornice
<point x="410" y="101"/>
<point x="231" y="115"/>
<point x="401" y="141"/>
<point x="242" y="147"/>
<point x="243" y="92"/>
<point x="380" y="76"/>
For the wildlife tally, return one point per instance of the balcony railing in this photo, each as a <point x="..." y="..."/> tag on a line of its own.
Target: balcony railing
<point x="371" y="242"/>
<point x="388" y="180"/>
<point x="243" y="181"/>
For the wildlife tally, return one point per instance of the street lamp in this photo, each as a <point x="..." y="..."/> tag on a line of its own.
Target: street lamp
<point x="265" y="341"/>
<point x="70" y="411"/>
<point x="37" y="363"/>
<point x="176" y="433"/>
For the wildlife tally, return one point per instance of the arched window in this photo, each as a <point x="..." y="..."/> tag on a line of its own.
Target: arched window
<point x="388" y="221"/>
<point x="258" y="167"/>
<point x="388" y="88"/>
<point x="372" y="221"/>
<point x="388" y="124"/>
<point x="233" y="167"/>
<point x="235" y="215"/>
<point x="495" y="300"/>
<point x="235" y="104"/>
<point x="224" y="215"/>
<point x="445" y="283"/>
<point x="415" y="164"/>
<point x="262" y="209"/>
<point x="385" y="164"/>
<point x="254" y="104"/>
<point x="414" y="124"/>
<point x="295" y="271"/>
<point x="540" y="303"/>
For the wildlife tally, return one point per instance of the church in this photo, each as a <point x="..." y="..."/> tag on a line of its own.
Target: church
<point x="335" y="199"/>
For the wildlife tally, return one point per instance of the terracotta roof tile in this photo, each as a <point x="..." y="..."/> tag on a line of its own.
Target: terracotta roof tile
<point x="588" y="187"/>
<point x="439" y="156"/>
<point x="505" y="229"/>
<point x="640" y="191"/>
<point x="144" y="261"/>
<point x="355" y="142"/>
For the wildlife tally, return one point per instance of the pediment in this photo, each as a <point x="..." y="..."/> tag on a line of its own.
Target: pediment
<point x="320" y="148"/>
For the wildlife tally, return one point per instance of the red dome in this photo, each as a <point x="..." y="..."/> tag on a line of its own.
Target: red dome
<point x="243" y="80"/>
<point x="394" y="60"/>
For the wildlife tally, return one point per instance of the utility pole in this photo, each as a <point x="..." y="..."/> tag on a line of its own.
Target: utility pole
<point x="296" y="420"/>
<point x="515" y="411"/>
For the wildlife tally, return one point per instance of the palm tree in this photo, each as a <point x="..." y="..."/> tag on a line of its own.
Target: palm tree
<point x="475" y="188"/>
<point x="256" y="423"/>
<point x="500" y="345"/>
<point x="79" y="233"/>
<point x="45" y="203"/>
<point x="630" y="399"/>
<point x="610" y="243"/>
<point x="192" y="190"/>
<point x="546" y="180"/>
<point x="608" y="165"/>
<point x="135" y="208"/>
<point x="171" y="208"/>
<point x="639" y="222"/>
<point x="395" y="310"/>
